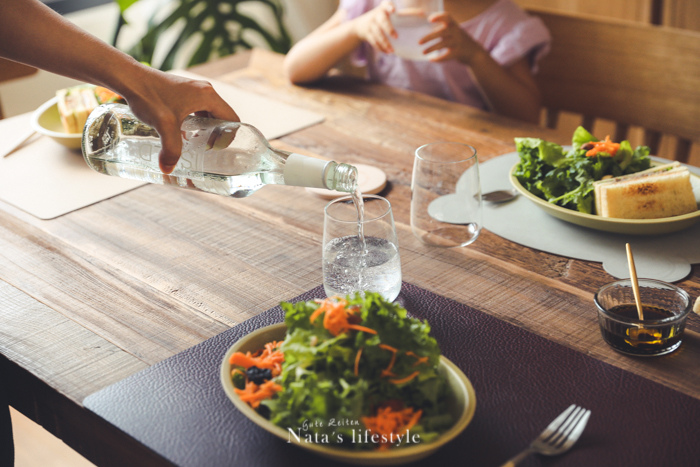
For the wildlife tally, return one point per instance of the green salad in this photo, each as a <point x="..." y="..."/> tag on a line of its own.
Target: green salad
<point x="566" y="177"/>
<point x="357" y="372"/>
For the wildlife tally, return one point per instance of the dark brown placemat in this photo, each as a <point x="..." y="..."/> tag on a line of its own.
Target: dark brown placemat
<point x="522" y="381"/>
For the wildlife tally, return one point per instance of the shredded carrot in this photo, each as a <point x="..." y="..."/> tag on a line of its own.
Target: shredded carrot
<point x="330" y="304"/>
<point x="406" y="379"/>
<point x="336" y="316"/>
<point x="387" y="371"/>
<point x="390" y="421"/>
<point x="418" y="358"/>
<point x="414" y="419"/>
<point x="357" y="362"/>
<point x="357" y="327"/>
<point x="336" y="320"/>
<point x="605" y="146"/>
<point x="269" y="358"/>
<point x="253" y="394"/>
<point x="106" y="96"/>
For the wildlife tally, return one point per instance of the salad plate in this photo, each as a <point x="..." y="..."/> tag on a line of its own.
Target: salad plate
<point x="463" y="403"/>
<point x="607" y="224"/>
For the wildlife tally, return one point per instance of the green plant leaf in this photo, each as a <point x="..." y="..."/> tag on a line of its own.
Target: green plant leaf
<point x="227" y="30"/>
<point x="124" y="4"/>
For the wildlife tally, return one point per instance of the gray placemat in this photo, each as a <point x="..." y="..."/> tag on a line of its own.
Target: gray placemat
<point x="664" y="257"/>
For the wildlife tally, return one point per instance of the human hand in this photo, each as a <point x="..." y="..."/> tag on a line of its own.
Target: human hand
<point x="451" y="40"/>
<point x="163" y="100"/>
<point x="375" y="27"/>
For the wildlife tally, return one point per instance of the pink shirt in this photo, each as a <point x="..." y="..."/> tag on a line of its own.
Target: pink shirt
<point x="504" y="30"/>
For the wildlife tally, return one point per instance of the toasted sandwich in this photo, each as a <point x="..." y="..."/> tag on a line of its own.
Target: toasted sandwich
<point x="661" y="191"/>
<point x="74" y="106"/>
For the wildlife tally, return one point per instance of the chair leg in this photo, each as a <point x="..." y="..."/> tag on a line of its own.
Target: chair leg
<point x="621" y="131"/>
<point x="683" y="147"/>
<point x="551" y="118"/>
<point x="653" y="140"/>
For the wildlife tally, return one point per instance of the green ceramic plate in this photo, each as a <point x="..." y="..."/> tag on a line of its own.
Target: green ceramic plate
<point x="607" y="224"/>
<point x="463" y="401"/>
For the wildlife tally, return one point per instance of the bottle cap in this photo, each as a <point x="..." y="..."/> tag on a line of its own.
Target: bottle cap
<point x="370" y="180"/>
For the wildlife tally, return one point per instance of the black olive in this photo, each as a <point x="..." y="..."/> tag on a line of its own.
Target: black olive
<point x="258" y="375"/>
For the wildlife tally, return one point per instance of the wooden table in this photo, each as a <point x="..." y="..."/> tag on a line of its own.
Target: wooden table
<point x="96" y="295"/>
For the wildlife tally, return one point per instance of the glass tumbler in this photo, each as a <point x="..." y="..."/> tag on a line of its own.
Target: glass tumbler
<point x="360" y="248"/>
<point x="446" y="205"/>
<point x="665" y="309"/>
<point x="410" y="20"/>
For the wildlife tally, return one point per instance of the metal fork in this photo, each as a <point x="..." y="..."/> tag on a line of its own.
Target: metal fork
<point x="558" y="437"/>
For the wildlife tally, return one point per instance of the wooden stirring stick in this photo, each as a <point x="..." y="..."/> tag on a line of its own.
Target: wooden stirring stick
<point x="635" y="282"/>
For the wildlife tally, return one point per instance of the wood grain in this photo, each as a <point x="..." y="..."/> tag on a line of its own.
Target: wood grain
<point x="94" y="296"/>
<point x="576" y="76"/>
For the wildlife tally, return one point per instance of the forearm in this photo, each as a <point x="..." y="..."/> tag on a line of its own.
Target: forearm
<point x="315" y="55"/>
<point x="33" y="34"/>
<point x="511" y="92"/>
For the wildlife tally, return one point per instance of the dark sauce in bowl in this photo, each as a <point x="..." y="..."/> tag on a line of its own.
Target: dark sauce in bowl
<point x="652" y="338"/>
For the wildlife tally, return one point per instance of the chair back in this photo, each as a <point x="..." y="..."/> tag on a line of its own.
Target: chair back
<point x="12" y="70"/>
<point x="633" y="74"/>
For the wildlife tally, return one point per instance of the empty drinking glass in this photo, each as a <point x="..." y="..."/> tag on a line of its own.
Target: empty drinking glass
<point x="446" y="205"/>
<point x="360" y="248"/>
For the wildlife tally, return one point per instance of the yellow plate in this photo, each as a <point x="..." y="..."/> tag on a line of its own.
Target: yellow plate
<point x="608" y="224"/>
<point x="463" y="401"/>
<point x="46" y="121"/>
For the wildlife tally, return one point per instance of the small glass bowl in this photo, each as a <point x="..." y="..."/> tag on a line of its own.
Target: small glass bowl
<point x="665" y="309"/>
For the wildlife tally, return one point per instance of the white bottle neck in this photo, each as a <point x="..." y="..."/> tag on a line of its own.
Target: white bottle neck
<point x="300" y="170"/>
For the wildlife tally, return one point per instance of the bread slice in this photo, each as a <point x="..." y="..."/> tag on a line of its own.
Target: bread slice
<point x="661" y="191"/>
<point x="74" y="106"/>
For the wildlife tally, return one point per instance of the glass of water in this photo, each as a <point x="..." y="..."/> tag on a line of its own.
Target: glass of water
<point x="410" y="20"/>
<point x="446" y="205"/>
<point x="360" y="248"/>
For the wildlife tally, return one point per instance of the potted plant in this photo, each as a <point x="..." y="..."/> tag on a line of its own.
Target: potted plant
<point x="205" y="29"/>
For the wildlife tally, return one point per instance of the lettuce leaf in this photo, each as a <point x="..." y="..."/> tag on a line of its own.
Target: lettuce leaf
<point x="566" y="179"/>
<point x="320" y="386"/>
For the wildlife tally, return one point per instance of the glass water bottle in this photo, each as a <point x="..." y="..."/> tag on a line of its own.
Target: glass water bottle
<point x="226" y="158"/>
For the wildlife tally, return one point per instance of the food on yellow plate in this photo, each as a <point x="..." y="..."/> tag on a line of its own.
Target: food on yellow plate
<point x="105" y="96"/>
<point x="75" y="104"/>
<point x="355" y="372"/>
<point x="661" y="191"/>
<point x="565" y="176"/>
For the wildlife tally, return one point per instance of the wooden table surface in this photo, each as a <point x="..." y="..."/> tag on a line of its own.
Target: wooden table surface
<point x="98" y="294"/>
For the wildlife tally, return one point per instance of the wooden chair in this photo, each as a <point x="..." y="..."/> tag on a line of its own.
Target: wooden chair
<point x="632" y="74"/>
<point x="13" y="70"/>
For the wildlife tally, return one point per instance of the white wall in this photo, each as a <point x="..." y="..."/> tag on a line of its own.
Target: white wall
<point x="26" y="94"/>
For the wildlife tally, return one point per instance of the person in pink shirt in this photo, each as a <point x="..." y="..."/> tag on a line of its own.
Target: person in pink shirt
<point x="484" y="53"/>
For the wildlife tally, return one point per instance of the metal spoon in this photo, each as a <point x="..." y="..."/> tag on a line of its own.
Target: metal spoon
<point x="499" y="196"/>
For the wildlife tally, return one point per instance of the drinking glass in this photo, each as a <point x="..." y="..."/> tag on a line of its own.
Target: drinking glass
<point x="360" y="248"/>
<point x="410" y="20"/>
<point x="446" y="205"/>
